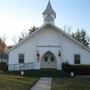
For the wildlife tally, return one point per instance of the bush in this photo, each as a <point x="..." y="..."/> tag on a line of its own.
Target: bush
<point x="3" y="66"/>
<point x="42" y="73"/>
<point x="45" y="73"/>
<point x="77" y="69"/>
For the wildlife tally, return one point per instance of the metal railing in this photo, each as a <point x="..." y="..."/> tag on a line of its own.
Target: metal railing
<point x="27" y="66"/>
<point x="20" y="66"/>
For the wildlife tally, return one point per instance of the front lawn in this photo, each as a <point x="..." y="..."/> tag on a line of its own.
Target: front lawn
<point x="12" y="82"/>
<point x="78" y="83"/>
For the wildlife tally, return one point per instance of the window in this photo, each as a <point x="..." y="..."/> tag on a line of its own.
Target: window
<point x="52" y="59"/>
<point x="21" y="58"/>
<point x="76" y="59"/>
<point x="46" y="58"/>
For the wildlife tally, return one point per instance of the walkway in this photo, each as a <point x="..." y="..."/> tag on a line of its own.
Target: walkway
<point x="43" y="84"/>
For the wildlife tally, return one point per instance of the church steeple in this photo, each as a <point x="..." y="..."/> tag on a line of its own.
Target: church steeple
<point x="49" y="14"/>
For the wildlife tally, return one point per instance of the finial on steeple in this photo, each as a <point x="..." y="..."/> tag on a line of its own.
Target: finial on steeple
<point x="49" y="14"/>
<point x="49" y="1"/>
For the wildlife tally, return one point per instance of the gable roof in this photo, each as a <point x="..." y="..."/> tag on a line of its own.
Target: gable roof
<point x="53" y="26"/>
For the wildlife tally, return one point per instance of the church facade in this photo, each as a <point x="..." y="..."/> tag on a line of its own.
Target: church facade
<point x="47" y="47"/>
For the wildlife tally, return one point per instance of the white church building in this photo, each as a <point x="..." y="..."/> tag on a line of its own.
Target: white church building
<point x="47" y="47"/>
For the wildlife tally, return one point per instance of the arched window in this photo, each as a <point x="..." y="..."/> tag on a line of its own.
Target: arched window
<point x="46" y="58"/>
<point x="52" y="59"/>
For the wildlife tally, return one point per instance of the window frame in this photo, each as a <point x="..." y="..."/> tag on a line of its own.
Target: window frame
<point x="46" y="58"/>
<point x="77" y="58"/>
<point x="21" y="58"/>
<point x="52" y="58"/>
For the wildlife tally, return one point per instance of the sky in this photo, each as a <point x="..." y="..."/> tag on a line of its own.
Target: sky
<point x="18" y="16"/>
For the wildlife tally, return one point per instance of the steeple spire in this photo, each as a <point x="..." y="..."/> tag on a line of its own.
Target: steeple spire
<point x="49" y="14"/>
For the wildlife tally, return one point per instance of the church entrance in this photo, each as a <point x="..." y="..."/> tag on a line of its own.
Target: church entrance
<point x="48" y="61"/>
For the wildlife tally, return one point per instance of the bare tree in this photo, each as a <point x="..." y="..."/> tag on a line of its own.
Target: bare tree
<point x="25" y="33"/>
<point x="2" y="44"/>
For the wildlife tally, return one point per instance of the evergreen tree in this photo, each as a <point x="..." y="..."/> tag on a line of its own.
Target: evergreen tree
<point x="34" y="28"/>
<point x="82" y="37"/>
<point x="24" y="34"/>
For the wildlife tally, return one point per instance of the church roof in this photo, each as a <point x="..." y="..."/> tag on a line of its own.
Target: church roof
<point x="56" y="28"/>
<point x="49" y="10"/>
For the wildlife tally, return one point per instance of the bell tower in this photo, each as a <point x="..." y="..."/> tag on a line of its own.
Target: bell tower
<point x="49" y="14"/>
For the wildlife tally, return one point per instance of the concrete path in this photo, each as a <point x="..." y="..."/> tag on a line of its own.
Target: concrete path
<point x="43" y="84"/>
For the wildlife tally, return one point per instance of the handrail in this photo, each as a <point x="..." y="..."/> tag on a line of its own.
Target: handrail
<point x="21" y="66"/>
<point x="25" y="64"/>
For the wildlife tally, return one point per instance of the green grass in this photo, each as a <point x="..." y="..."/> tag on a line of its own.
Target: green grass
<point x="12" y="82"/>
<point x="71" y="83"/>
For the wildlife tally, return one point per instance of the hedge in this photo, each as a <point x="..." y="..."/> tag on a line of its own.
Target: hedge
<point x="77" y="69"/>
<point x="42" y="73"/>
<point x="3" y="66"/>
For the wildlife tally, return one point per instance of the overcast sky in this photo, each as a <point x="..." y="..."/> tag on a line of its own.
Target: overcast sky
<point x="20" y="15"/>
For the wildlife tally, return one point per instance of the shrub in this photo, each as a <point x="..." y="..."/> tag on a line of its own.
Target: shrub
<point x="42" y="73"/>
<point x="3" y="66"/>
<point x="77" y="69"/>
